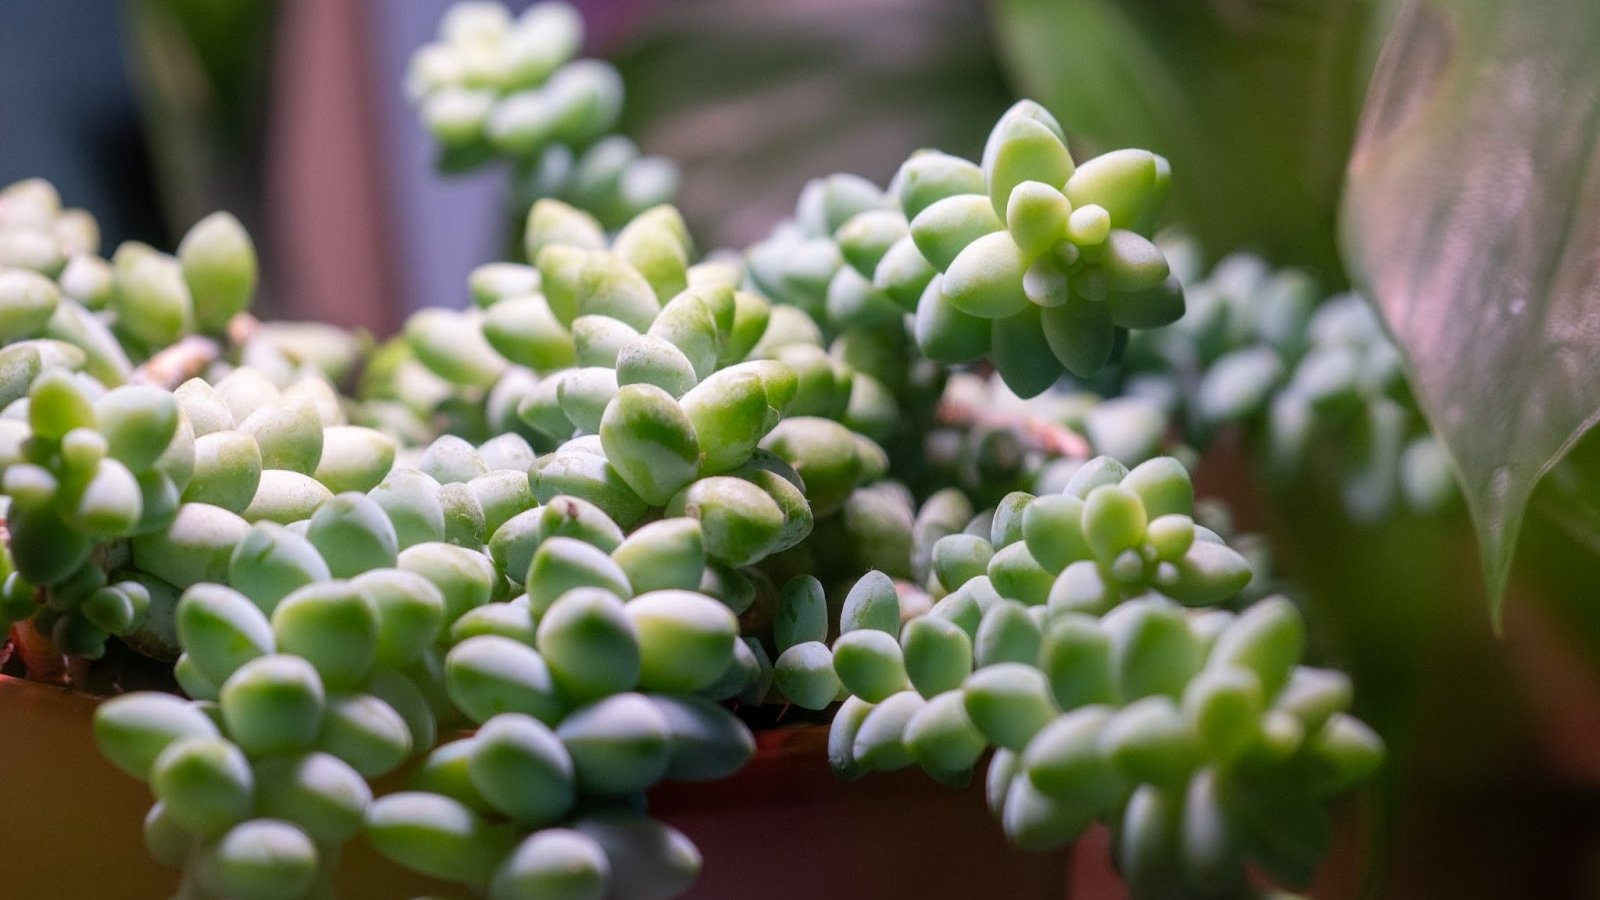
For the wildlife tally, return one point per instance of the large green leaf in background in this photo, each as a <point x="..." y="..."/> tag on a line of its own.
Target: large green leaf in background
<point x="1253" y="101"/>
<point x="1473" y="219"/>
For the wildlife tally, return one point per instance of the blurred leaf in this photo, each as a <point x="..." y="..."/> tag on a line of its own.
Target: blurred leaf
<point x="1560" y="543"/>
<point x="1253" y="101"/>
<point x="1473" y="216"/>
<point x="202" y="68"/>
<point x="753" y="98"/>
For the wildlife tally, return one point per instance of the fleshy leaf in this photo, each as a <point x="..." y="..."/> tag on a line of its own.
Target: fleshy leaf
<point x="1472" y="215"/>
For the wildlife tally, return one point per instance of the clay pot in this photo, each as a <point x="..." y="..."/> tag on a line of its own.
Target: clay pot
<point x="784" y="828"/>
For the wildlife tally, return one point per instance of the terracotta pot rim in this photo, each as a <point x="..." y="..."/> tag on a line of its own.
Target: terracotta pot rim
<point x="874" y="837"/>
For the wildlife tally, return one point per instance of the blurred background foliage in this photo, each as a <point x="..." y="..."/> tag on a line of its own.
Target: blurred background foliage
<point x="1494" y="790"/>
<point x="753" y="98"/>
<point x="201" y="72"/>
<point x="1255" y="102"/>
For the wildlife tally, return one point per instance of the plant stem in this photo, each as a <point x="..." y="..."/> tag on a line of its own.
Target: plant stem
<point x="189" y="357"/>
<point x="1033" y="432"/>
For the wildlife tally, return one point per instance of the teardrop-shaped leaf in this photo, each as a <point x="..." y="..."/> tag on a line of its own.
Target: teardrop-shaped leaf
<point x="1472" y="214"/>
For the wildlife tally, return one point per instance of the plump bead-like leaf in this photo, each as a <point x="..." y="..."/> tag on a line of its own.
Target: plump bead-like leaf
<point x="985" y="278"/>
<point x="946" y="227"/>
<point x="1124" y="182"/>
<point x="219" y="266"/>
<point x="1023" y="149"/>
<point x="651" y="441"/>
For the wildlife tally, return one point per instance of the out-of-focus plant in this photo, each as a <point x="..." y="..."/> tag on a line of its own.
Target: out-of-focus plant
<point x="493" y="87"/>
<point x="1472" y="214"/>
<point x="752" y="98"/>
<point x="1255" y="101"/>
<point x="1314" y="385"/>
<point x="1470" y="208"/>
<point x="201" y="68"/>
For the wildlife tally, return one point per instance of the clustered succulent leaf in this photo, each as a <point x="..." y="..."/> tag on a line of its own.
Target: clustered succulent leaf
<point x="818" y="265"/>
<point x="1025" y="258"/>
<point x="497" y="87"/>
<point x="1312" y="382"/>
<point x="1075" y="637"/>
<point x="572" y="589"/>
<point x="94" y="461"/>
<point x="529" y="558"/>
<point x="1309" y="378"/>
